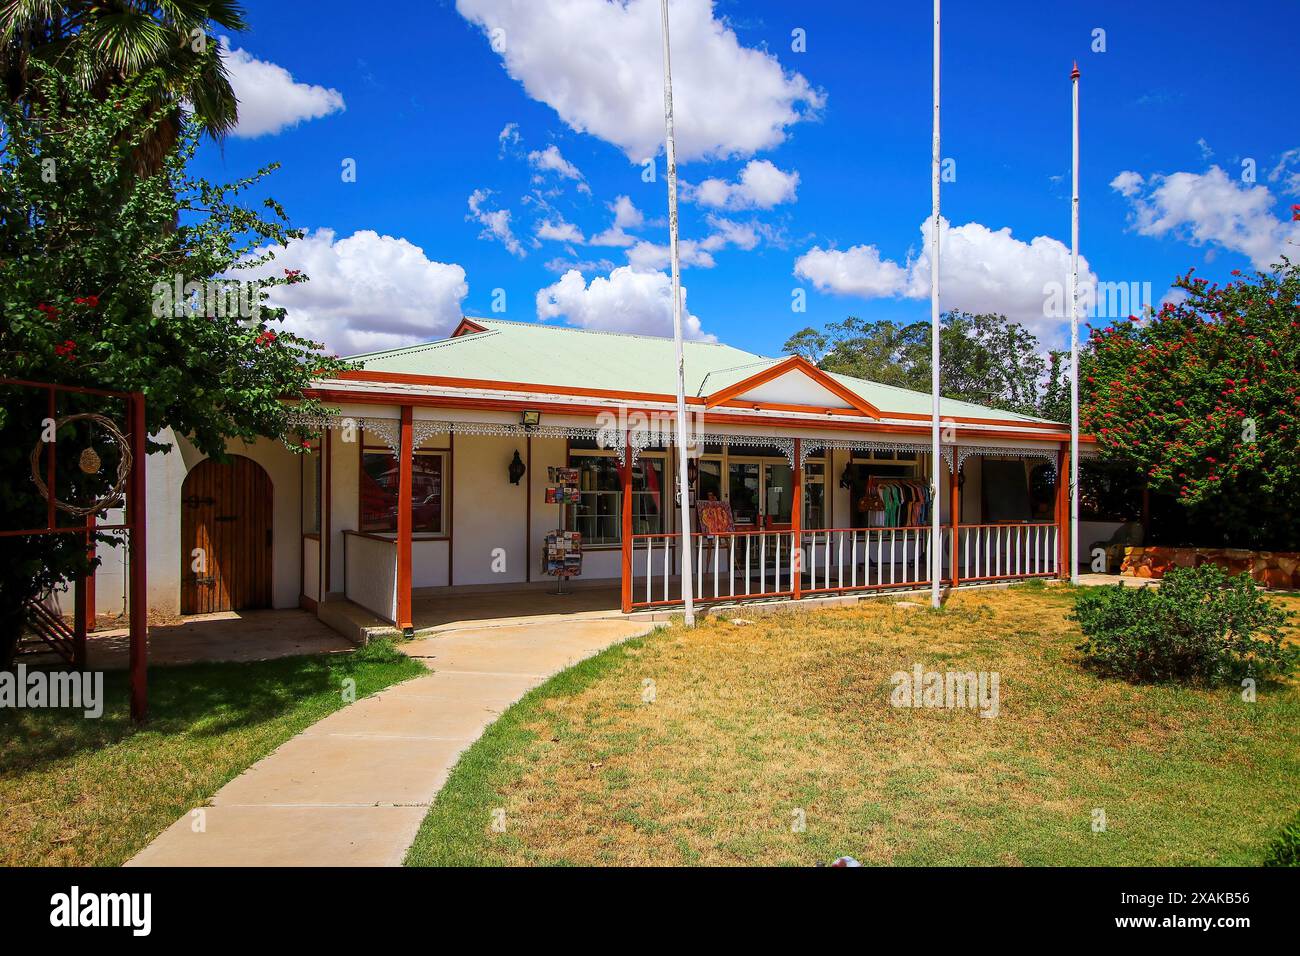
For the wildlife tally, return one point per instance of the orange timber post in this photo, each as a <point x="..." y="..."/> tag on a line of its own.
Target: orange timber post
<point x="954" y="507"/>
<point x="405" y="454"/>
<point x="796" y="524"/>
<point x="626" y="501"/>
<point x="1063" y="511"/>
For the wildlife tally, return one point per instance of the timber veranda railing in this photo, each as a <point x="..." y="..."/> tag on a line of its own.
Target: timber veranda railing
<point x="771" y="565"/>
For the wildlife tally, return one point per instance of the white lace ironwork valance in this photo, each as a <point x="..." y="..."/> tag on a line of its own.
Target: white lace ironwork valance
<point x="642" y="440"/>
<point x="812" y="446"/>
<point x="388" y="431"/>
<point x="1046" y="454"/>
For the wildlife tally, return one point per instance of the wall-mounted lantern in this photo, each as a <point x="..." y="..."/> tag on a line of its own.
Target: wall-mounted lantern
<point x="516" y="469"/>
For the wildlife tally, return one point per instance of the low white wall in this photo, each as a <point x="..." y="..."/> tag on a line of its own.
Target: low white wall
<point x="371" y="574"/>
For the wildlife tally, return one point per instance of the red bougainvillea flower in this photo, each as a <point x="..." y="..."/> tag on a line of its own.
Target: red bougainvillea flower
<point x="265" y="338"/>
<point x="90" y="300"/>
<point x="66" y="349"/>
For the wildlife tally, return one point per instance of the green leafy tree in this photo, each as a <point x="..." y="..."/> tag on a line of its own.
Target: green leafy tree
<point x="90" y="266"/>
<point x="984" y="358"/>
<point x="1203" y="399"/>
<point x="102" y="44"/>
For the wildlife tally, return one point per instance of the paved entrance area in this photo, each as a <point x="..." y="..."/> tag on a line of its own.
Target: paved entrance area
<point x="352" y="789"/>
<point x="223" y="636"/>
<point x="432" y="610"/>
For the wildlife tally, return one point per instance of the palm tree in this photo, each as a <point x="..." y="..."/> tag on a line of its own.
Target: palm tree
<point x="102" y="42"/>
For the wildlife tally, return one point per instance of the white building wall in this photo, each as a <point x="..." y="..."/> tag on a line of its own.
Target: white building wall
<point x="489" y="513"/>
<point x="311" y="568"/>
<point x="344" y="472"/>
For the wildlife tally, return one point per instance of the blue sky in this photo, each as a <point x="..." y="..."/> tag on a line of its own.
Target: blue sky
<point x="421" y="104"/>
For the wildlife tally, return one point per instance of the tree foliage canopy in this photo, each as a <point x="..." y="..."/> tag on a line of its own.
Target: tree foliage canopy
<point x="986" y="359"/>
<point x="130" y="282"/>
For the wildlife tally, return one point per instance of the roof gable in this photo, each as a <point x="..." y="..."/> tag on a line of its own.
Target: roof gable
<point x="791" y="383"/>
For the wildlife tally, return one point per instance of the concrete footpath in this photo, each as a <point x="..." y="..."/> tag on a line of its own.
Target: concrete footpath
<point x="352" y="789"/>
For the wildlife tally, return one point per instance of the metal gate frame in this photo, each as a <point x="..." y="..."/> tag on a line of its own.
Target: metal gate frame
<point x="134" y="525"/>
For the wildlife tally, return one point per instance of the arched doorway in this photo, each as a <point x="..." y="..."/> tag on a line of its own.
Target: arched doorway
<point x="225" y="537"/>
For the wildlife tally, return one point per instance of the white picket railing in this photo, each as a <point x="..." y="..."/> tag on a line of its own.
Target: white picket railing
<point x="748" y="565"/>
<point x="992" y="552"/>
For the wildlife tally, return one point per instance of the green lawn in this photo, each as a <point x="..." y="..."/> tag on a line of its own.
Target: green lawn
<point x="94" y="792"/>
<point x="751" y="723"/>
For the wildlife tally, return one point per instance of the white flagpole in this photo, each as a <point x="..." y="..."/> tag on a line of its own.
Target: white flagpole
<point x="936" y="548"/>
<point x="1073" y="547"/>
<point x="683" y="481"/>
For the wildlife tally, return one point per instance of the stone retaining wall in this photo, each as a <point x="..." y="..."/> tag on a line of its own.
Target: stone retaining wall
<point x="1274" y="569"/>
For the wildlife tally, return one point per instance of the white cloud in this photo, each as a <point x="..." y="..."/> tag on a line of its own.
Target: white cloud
<point x="1210" y="208"/>
<point x="858" y="270"/>
<point x="599" y="65"/>
<point x="366" y="291"/>
<point x="550" y="158"/>
<point x="626" y="216"/>
<point x="269" y="98"/>
<point x="761" y="186"/>
<point x="507" y="139"/>
<point x="1127" y="183"/>
<point x="560" y="264"/>
<point x="495" y="222"/>
<point x="647" y="256"/>
<point x="650" y="256"/>
<point x="558" y="231"/>
<point x="1283" y="172"/>
<point x="623" y="301"/>
<point x="983" y="270"/>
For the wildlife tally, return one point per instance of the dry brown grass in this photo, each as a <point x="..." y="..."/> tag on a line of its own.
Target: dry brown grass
<point x="750" y="723"/>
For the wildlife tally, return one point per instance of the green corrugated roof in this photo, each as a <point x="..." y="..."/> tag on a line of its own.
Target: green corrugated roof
<point x="540" y="354"/>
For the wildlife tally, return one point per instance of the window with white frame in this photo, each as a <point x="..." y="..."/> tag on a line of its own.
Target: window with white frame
<point x="598" y="514"/>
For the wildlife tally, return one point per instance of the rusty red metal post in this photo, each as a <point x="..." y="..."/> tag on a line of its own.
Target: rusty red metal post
<point x="89" y="582"/>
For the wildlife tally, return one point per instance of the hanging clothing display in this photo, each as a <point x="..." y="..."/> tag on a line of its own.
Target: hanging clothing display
<point x="896" y="502"/>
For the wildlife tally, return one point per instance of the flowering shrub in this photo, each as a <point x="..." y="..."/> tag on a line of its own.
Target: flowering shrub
<point x="1200" y="626"/>
<point x="1204" y="398"/>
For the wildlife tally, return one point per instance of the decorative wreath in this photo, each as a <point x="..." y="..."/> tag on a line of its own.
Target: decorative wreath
<point x="89" y="463"/>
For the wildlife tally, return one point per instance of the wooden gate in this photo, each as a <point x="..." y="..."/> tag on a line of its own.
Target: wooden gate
<point x="226" y="518"/>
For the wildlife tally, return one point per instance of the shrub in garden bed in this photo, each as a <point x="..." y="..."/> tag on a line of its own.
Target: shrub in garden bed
<point x="1200" y="626"/>
<point x="1285" y="848"/>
